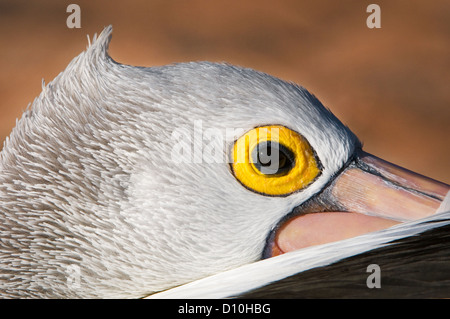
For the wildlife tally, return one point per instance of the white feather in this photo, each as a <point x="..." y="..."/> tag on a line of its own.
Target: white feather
<point x="243" y="279"/>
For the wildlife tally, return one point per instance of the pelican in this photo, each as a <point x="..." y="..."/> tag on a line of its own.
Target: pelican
<point x="190" y="180"/>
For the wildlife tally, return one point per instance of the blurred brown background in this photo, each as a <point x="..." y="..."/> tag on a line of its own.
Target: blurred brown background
<point x="390" y="85"/>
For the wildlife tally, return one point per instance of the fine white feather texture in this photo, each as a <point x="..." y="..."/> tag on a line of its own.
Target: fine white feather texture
<point x="87" y="182"/>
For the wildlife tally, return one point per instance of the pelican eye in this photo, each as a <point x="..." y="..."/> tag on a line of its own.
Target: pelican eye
<point x="274" y="160"/>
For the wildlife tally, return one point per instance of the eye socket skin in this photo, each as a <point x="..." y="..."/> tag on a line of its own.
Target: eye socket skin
<point x="290" y="166"/>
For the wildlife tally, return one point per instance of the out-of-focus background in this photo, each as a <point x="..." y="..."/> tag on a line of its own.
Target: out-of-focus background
<point x="391" y="86"/>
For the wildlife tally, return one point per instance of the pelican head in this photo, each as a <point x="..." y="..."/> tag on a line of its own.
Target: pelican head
<point x="124" y="181"/>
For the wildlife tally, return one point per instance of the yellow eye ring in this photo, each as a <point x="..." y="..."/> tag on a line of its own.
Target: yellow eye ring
<point x="274" y="160"/>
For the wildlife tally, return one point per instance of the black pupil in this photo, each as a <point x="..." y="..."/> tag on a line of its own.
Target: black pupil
<point x="272" y="158"/>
